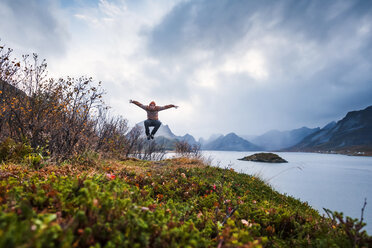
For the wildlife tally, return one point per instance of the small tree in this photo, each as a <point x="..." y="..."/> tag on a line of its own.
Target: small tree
<point x="184" y="149"/>
<point x="112" y="134"/>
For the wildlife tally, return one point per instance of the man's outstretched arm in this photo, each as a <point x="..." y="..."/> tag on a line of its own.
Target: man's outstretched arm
<point x="138" y="104"/>
<point x="168" y="107"/>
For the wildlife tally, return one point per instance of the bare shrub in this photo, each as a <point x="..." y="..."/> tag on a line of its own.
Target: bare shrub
<point x="153" y="151"/>
<point x="135" y="142"/>
<point x="141" y="148"/>
<point x="112" y="135"/>
<point x="184" y="149"/>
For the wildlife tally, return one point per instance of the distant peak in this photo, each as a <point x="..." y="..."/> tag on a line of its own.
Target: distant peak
<point x="273" y="131"/>
<point x="330" y="125"/>
<point x="304" y="128"/>
<point x="216" y="135"/>
<point x="231" y="134"/>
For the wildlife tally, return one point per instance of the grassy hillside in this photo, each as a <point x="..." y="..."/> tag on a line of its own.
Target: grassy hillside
<point x="172" y="203"/>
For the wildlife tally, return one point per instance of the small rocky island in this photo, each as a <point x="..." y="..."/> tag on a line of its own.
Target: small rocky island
<point x="264" y="157"/>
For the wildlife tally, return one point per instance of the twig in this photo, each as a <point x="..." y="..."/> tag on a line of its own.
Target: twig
<point x="364" y="206"/>
<point x="327" y="211"/>
<point x="220" y="243"/>
<point x="229" y="215"/>
<point x="296" y="167"/>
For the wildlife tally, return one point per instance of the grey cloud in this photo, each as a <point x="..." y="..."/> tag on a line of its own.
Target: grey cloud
<point x="218" y="25"/>
<point x="200" y="24"/>
<point x="320" y="71"/>
<point x="34" y="25"/>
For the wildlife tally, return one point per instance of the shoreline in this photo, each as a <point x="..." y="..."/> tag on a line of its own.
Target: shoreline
<point x="348" y="153"/>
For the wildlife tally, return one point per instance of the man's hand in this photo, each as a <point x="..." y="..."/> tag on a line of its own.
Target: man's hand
<point x="130" y="101"/>
<point x="176" y="107"/>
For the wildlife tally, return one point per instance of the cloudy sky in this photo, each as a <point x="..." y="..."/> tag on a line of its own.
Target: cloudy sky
<point x="232" y="66"/>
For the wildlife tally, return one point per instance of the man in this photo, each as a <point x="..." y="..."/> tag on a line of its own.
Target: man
<point x="152" y="116"/>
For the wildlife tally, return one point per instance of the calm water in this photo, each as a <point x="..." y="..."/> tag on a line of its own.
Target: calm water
<point x="337" y="182"/>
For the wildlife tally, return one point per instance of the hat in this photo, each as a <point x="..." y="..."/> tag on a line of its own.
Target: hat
<point x="152" y="103"/>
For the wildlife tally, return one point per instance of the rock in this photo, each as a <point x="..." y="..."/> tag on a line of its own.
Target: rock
<point x="264" y="157"/>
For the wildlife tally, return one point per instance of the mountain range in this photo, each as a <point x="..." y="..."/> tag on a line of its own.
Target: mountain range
<point x="165" y="136"/>
<point x="230" y="142"/>
<point x="352" y="135"/>
<point x="277" y="140"/>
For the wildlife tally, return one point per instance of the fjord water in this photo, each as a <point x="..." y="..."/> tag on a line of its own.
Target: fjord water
<point x="337" y="182"/>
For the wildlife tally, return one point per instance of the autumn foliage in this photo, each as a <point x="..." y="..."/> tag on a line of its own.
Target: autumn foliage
<point x="58" y="118"/>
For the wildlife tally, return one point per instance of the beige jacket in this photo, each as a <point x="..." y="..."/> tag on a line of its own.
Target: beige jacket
<point x="152" y="114"/>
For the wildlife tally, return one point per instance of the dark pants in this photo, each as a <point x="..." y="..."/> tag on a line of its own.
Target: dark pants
<point x="152" y="123"/>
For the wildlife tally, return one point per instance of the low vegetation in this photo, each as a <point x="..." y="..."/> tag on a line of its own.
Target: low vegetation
<point x="175" y="202"/>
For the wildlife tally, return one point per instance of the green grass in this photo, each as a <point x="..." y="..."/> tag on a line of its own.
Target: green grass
<point x="172" y="203"/>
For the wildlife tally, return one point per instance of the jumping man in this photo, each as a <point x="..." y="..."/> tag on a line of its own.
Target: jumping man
<point x="152" y="116"/>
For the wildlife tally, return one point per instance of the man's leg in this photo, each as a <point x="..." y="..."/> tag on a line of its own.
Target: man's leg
<point x="147" y="129"/>
<point x="156" y="124"/>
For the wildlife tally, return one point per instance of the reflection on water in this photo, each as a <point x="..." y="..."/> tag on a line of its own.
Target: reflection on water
<point x="337" y="182"/>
